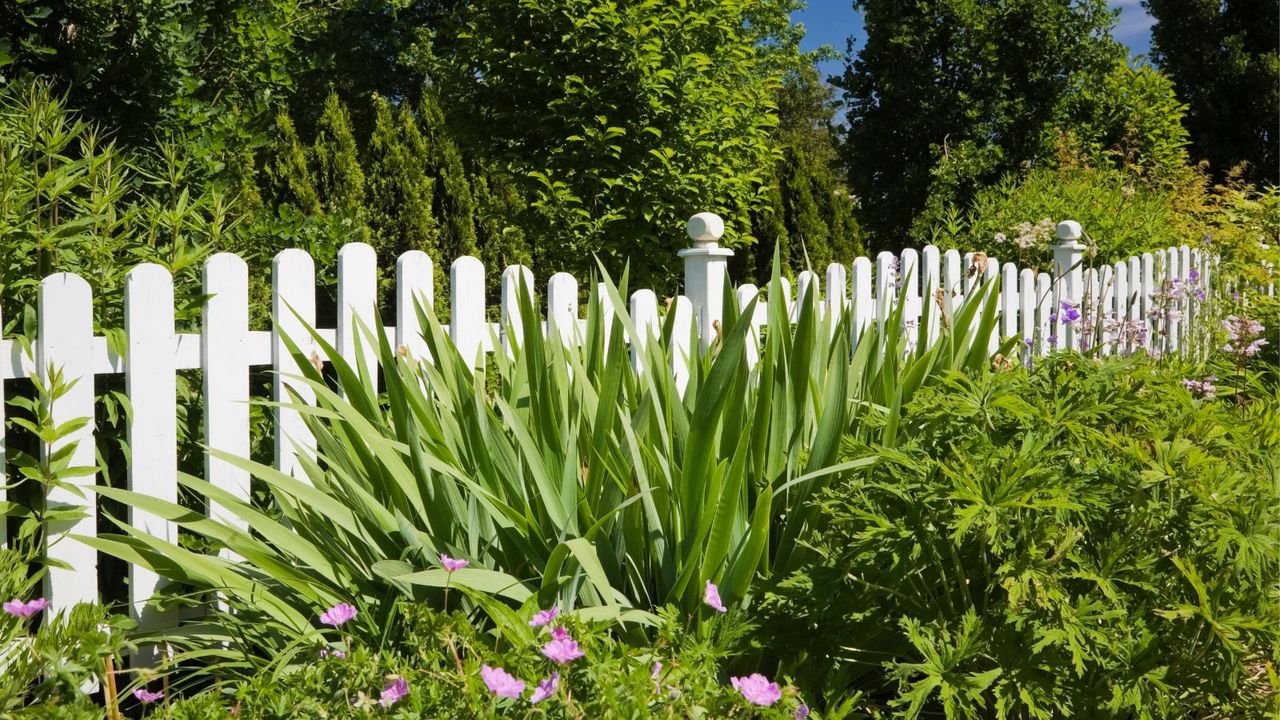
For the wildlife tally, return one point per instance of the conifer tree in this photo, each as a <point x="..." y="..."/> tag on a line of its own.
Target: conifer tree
<point x="399" y="196"/>
<point x="288" y="173"/>
<point x="337" y="161"/>
<point x="453" y="205"/>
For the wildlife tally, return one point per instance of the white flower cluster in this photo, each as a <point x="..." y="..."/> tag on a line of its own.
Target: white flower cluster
<point x="1029" y="236"/>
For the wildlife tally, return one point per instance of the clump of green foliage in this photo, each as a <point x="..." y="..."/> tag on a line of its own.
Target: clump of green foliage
<point x="680" y="674"/>
<point x="1087" y="539"/>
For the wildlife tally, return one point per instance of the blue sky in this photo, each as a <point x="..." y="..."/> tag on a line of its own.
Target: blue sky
<point x="831" y="22"/>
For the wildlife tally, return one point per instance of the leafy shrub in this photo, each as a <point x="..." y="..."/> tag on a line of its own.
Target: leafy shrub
<point x="1121" y="214"/>
<point x="1085" y="540"/>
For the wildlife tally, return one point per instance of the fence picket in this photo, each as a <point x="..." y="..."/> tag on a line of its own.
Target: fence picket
<point x="293" y="295"/>
<point x="886" y="287"/>
<point x="358" y="307"/>
<point x="467" y="326"/>
<point x="644" y="315"/>
<point x="1027" y="311"/>
<point x="415" y="287"/>
<point x="1009" y="304"/>
<point x="930" y="294"/>
<point x="224" y="338"/>
<point x="909" y="272"/>
<point x="64" y="341"/>
<point x="837" y="300"/>
<point x="681" y="342"/>
<point x="860" y="298"/>
<point x="151" y="384"/>
<point x="511" y="329"/>
<point x="744" y="295"/>
<point x="1146" y="296"/>
<point x="1120" y="342"/>
<point x="953" y="293"/>
<point x="1048" y="338"/>
<point x="562" y="307"/>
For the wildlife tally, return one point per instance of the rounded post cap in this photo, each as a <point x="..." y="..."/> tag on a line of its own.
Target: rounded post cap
<point x="705" y="229"/>
<point x="1069" y="231"/>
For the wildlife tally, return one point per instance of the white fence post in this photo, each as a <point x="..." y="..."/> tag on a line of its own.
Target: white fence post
<point x="64" y="341"/>
<point x="151" y="383"/>
<point x="1068" y="253"/>
<point x="705" y="273"/>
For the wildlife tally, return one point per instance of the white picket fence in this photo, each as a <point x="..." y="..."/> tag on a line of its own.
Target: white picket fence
<point x="930" y="281"/>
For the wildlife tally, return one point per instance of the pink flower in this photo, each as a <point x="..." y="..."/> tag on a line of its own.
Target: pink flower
<point x="17" y="608"/>
<point x="452" y="564"/>
<point x="544" y="617"/>
<point x="559" y="634"/>
<point x="545" y="689"/>
<point x="712" y="597"/>
<point x="562" y="649"/>
<point x="501" y="683"/>
<point x="338" y="614"/>
<point x="326" y="652"/>
<point x="757" y="689"/>
<point x="146" y="697"/>
<point x="394" y="692"/>
<point x="801" y="712"/>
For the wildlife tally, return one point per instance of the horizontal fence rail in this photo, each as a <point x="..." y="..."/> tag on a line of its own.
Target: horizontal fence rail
<point x="1147" y="302"/>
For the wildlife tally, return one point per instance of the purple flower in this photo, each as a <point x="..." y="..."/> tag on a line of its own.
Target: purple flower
<point x="544" y="617"/>
<point x="801" y="712"/>
<point x="501" y="683"/>
<point x="757" y="689"/>
<point x="545" y="689"/>
<point x="711" y="596"/>
<point x="335" y="653"/>
<point x="1193" y="275"/>
<point x="338" y="614"/>
<point x="452" y="564"/>
<point x="146" y="697"/>
<point x="563" y="650"/>
<point x="559" y="633"/>
<point x="394" y="692"/>
<point x="17" y="608"/>
<point x="1200" y="294"/>
<point x="1204" y="388"/>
